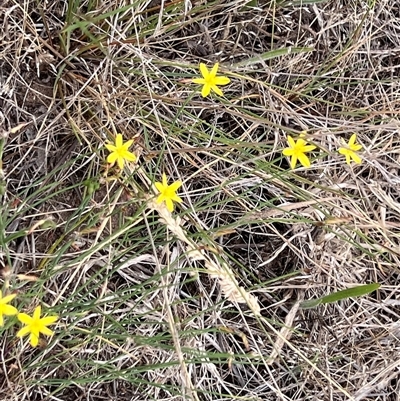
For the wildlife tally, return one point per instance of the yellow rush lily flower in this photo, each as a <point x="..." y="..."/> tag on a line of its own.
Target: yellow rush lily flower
<point x="350" y="150"/>
<point x="297" y="150"/>
<point x="5" y="309"/>
<point x="34" y="325"/>
<point x="119" y="152"/>
<point x="168" y="192"/>
<point x="210" y="80"/>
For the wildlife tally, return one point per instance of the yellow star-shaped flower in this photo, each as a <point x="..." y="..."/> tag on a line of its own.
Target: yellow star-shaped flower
<point x="168" y="192"/>
<point x="34" y="325"/>
<point x="350" y="150"/>
<point x="210" y="80"/>
<point x="5" y="309"/>
<point x="297" y="150"/>
<point x="119" y="152"/>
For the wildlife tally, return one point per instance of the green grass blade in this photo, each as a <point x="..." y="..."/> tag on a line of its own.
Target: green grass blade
<point x="339" y="295"/>
<point x="301" y="2"/>
<point x="272" y="54"/>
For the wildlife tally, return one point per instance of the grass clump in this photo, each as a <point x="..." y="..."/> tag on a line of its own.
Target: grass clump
<point x="165" y="227"/>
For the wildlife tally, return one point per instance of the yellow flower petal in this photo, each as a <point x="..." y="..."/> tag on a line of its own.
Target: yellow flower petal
<point x="127" y="144"/>
<point x="24" y="331"/>
<point x="47" y="320"/>
<point x="200" y="81"/>
<point x="304" y="160"/>
<point x="118" y="141"/>
<point x="5" y="308"/>
<point x="37" y="312"/>
<point x="293" y="162"/>
<point x="164" y="180"/>
<point x="291" y="141"/>
<point x="203" y="70"/>
<point x="222" y="81"/>
<point x="300" y="143"/>
<point x="170" y="204"/>
<point x="175" y="186"/>
<point x="214" y="70"/>
<point x="24" y="318"/>
<point x="159" y="186"/>
<point x="160" y="198"/>
<point x="205" y="91"/>
<point x="217" y="90"/>
<point x="7" y="299"/>
<point x="112" y="157"/>
<point x="308" y="148"/>
<point x="46" y="331"/>
<point x="288" y="151"/>
<point x="9" y="310"/>
<point x="129" y="156"/>
<point x="176" y="198"/>
<point x="352" y="140"/>
<point x="120" y="162"/>
<point x="34" y="340"/>
<point x="110" y="147"/>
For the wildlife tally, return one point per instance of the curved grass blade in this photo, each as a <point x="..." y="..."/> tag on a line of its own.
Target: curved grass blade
<point x="339" y="295"/>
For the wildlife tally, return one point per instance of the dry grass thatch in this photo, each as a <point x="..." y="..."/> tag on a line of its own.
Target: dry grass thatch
<point x="202" y="304"/>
